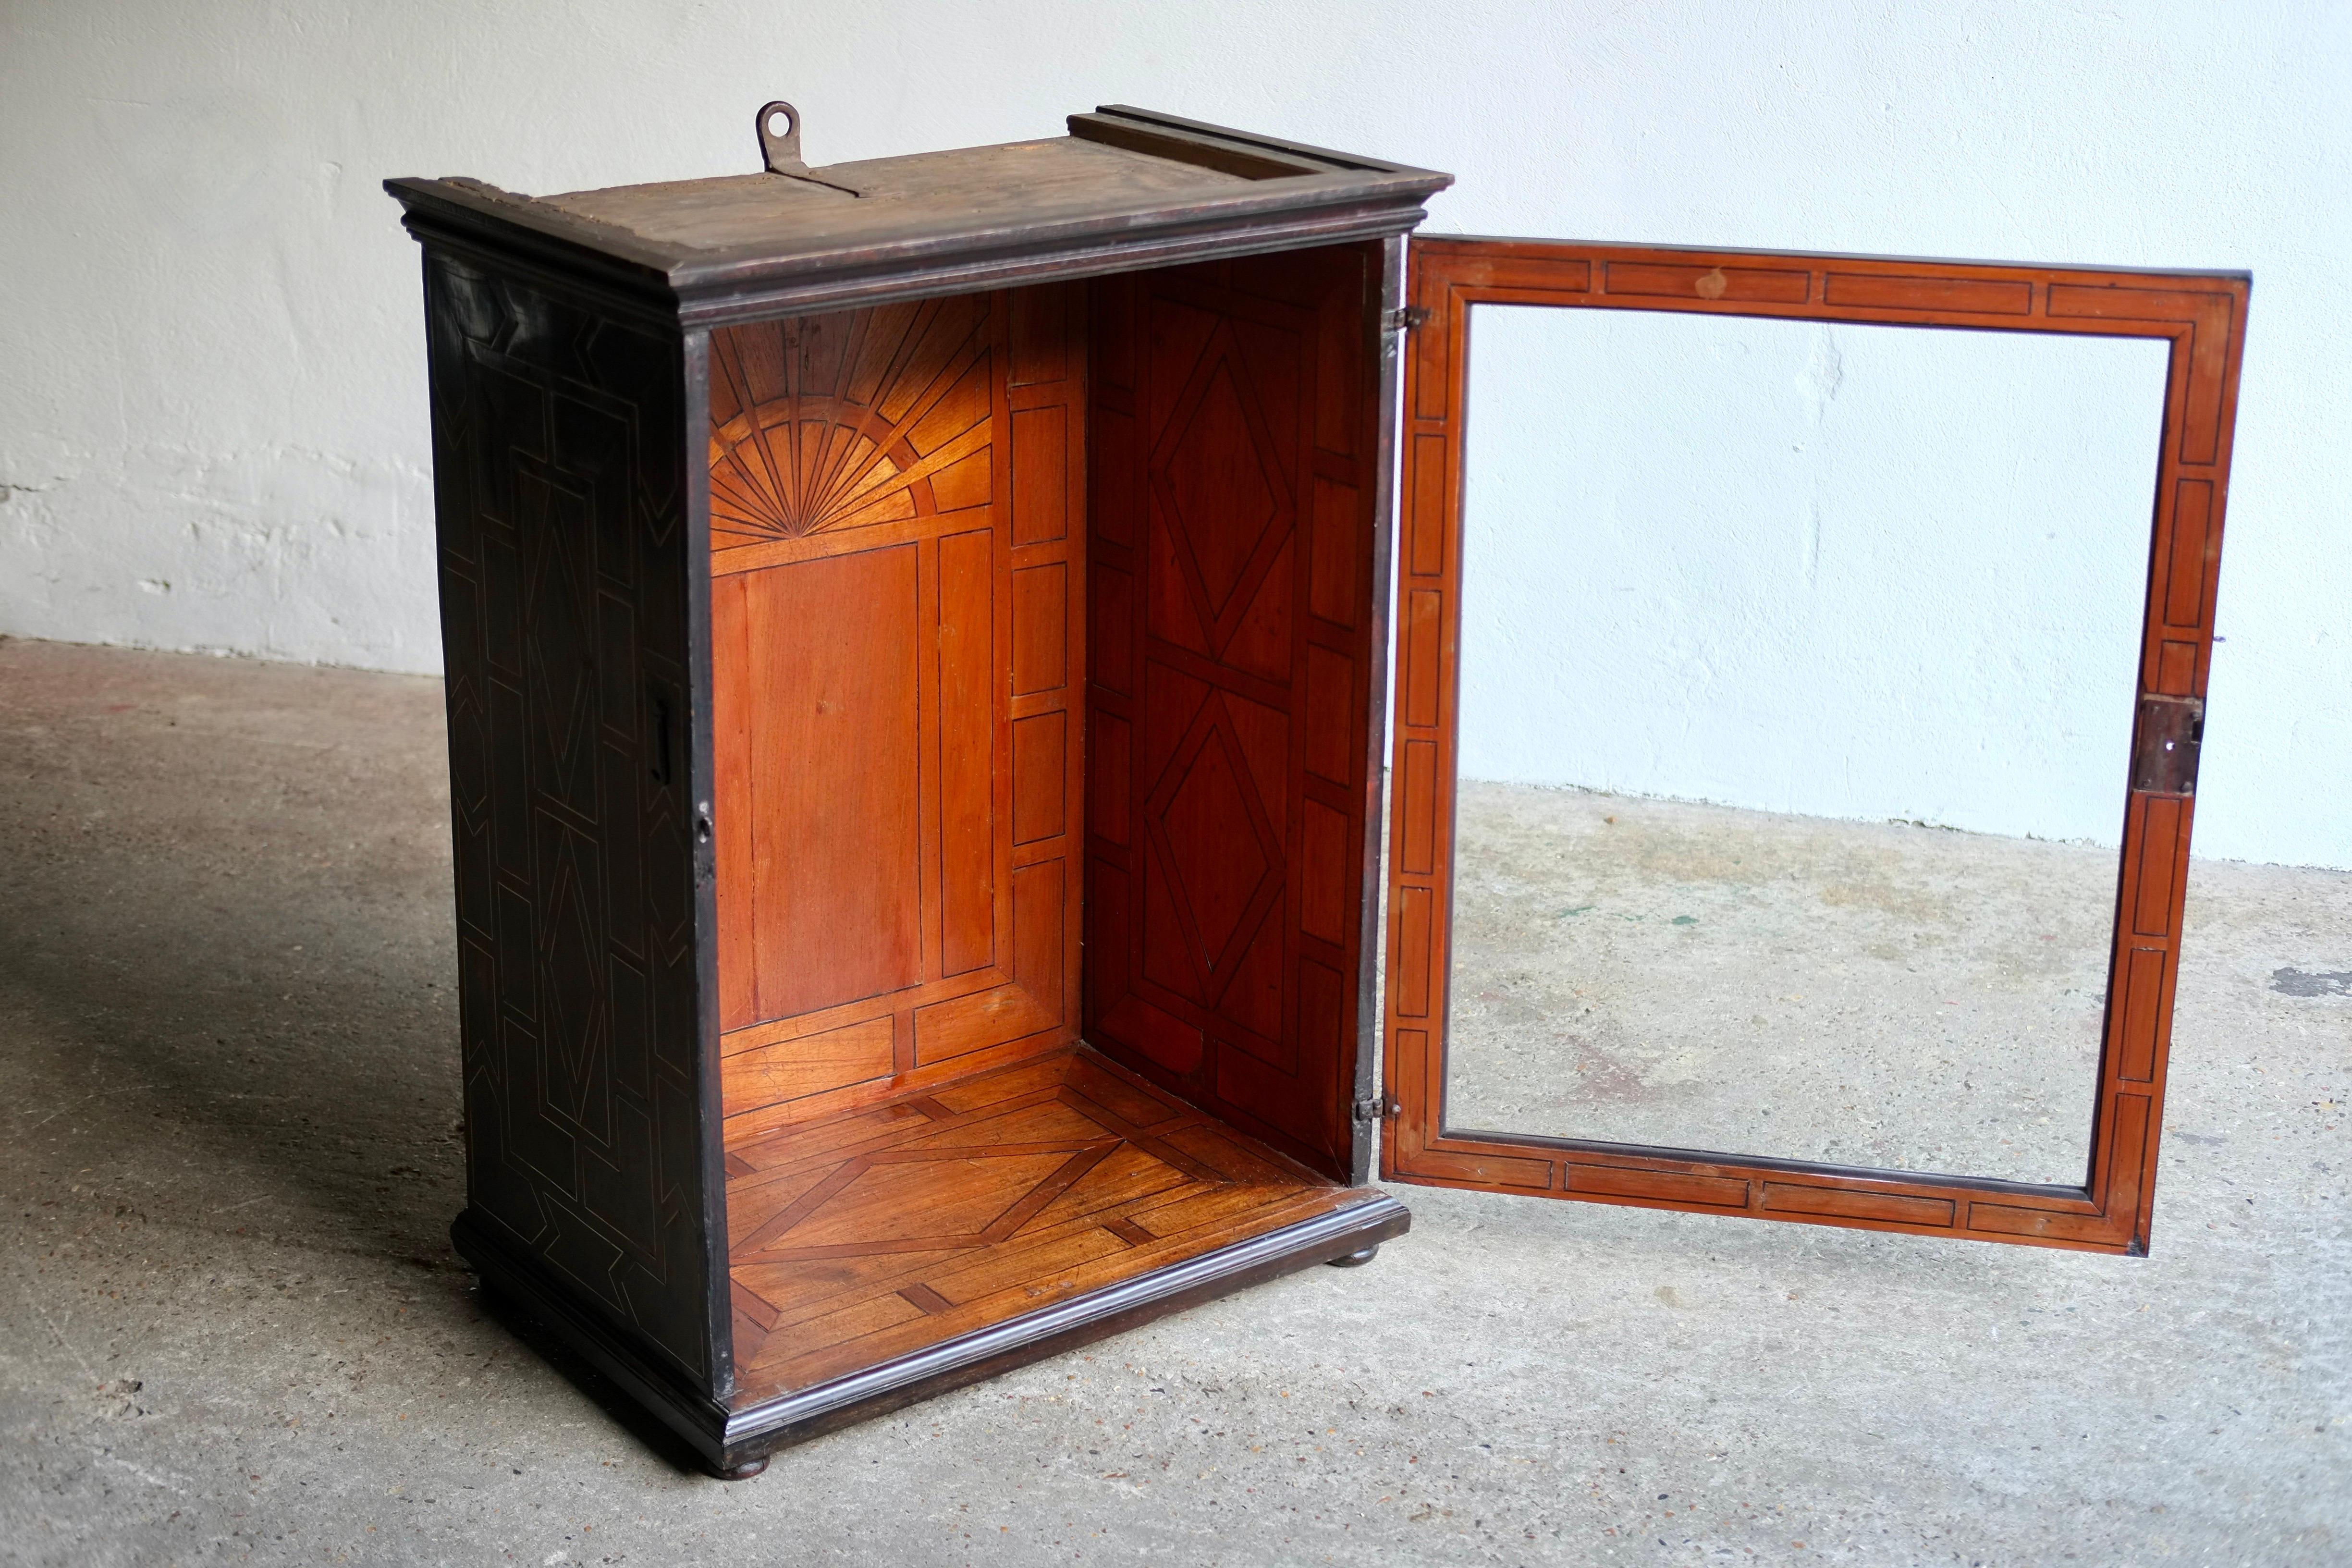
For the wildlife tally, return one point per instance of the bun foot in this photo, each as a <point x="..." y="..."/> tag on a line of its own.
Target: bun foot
<point x="745" y="1471"/>
<point x="1356" y="1259"/>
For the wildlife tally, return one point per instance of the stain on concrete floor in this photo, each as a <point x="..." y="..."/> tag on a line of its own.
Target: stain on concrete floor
<point x="233" y="1331"/>
<point x="2289" y="981"/>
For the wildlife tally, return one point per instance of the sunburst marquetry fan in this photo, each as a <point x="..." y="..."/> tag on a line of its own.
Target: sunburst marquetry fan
<point x="846" y="420"/>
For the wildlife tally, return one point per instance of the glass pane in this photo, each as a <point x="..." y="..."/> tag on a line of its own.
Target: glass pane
<point x="1797" y="686"/>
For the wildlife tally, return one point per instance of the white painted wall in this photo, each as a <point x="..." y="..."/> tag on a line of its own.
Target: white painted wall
<point x="211" y="415"/>
<point x="1842" y="571"/>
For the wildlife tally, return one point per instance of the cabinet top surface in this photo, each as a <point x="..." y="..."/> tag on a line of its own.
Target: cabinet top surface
<point x="1123" y="180"/>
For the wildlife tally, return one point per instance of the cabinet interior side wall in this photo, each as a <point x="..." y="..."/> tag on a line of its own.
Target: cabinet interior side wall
<point x="1232" y="447"/>
<point x="896" y="546"/>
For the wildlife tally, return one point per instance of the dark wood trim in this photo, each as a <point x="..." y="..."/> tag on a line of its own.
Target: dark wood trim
<point x="728" y="1440"/>
<point x="1183" y="147"/>
<point x="1324" y="156"/>
<point x="714" y="292"/>
<point x="763" y="1428"/>
<point x="596" y="254"/>
<point x="1381" y="433"/>
<point x="1299" y="196"/>
<point x="490" y="1249"/>
<point x="718" y="295"/>
<point x="548" y="266"/>
<point x="702" y="776"/>
<point x="2202" y="314"/>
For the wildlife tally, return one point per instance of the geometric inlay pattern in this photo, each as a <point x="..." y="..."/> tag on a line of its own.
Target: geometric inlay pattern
<point x="1206" y="796"/>
<point x="862" y="1236"/>
<point x="1229" y="553"/>
<point x="844" y="420"/>
<point x="1221" y="485"/>
<point x="894" y="574"/>
<point x="560" y="496"/>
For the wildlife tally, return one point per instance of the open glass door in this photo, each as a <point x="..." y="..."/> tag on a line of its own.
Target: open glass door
<point x="1766" y="670"/>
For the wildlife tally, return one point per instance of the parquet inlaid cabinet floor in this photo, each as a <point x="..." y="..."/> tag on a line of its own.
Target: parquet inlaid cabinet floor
<point x="858" y="1237"/>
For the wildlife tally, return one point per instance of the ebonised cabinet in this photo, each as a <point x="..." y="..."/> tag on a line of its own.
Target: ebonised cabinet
<point x="917" y="638"/>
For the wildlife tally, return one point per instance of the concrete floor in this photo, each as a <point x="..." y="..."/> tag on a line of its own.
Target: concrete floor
<point x="234" y="1331"/>
<point x="1877" y="994"/>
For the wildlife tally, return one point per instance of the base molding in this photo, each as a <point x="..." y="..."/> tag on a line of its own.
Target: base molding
<point x="952" y="1363"/>
<point x="660" y="1388"/>
<point x="734" y="1443"/>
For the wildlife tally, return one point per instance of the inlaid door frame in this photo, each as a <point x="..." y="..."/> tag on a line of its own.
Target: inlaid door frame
<point x="2202" y="314"/>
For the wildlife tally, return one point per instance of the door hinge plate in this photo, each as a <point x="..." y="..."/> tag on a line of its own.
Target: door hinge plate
<point x="1377" y="1107"/>
<point x="2164" y="751"/>
<point x="1405" y="318"/>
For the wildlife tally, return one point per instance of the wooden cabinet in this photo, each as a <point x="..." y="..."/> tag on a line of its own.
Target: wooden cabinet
<point x="918" y="637"/>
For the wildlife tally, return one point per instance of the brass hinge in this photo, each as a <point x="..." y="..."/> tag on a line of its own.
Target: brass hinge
<point x="2164" y="752"/>
<point x="1377" y="1107"/>
<point x="1405" y="318"/>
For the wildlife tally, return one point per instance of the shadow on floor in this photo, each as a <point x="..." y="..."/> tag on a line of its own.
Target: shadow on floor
<point x="227" y="922"/>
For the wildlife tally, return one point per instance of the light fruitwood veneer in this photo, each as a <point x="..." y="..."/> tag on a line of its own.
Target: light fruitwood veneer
<point x="869" y="1235"/>
<point x="2202" y="316"/>
<point x="894" y="650"/>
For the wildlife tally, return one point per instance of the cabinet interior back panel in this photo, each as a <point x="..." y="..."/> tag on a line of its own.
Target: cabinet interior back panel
<point x="892" y="631"/>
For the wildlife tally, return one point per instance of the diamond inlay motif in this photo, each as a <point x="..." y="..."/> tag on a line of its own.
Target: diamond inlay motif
<point x="1219" y="854"/>
<point x="1217" y="490"/>
<point x="1221" y="492"/>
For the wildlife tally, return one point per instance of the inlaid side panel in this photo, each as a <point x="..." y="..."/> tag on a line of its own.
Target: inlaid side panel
<point x="560" y="476"/>
<point x="892" y="627"/>
<point x="1230" y="564"/>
